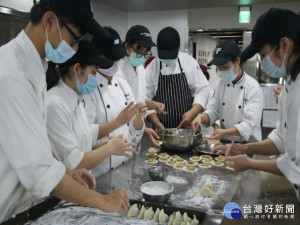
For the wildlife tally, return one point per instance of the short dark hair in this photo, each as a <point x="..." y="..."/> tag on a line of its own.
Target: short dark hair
<point x="37" y="12"/>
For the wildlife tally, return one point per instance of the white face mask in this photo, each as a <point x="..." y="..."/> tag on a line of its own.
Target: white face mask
<point x="228" y="75"/>
<point x="62" y="53"/>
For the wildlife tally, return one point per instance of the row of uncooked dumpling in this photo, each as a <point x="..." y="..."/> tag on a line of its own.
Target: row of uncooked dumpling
<point x="161" y="217"/>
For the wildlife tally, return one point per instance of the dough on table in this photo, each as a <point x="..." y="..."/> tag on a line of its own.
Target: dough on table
<point x="163" y="154"/>
<point x="220" y="158"/>
<point x="207" y="191"/>
<point x="133" y="211"/>
<point x="173" y="157"/>
<point x="179" y="166"/>
<point x="196" y="158"/>
<point x="186" y="218"/>
<point x="178" y="219"/>
<point x="153" y="149"/>
<point x="180" y="160"/>
<point x="191" y="163"/>
<point x="163" y="159"/>
<point x="230" y="168"/>
<point x="171" y="219"/>
<point x="207" y="160"/>
<point x="151" y="161"/>
<point x="205" y="165"/>
<point x="171" y="163"/>
<point x="190" y="169"/>
<point x="217" y="163"/>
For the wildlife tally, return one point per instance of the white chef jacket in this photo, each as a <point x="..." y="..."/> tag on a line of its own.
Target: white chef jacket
<point x="238" y="106"/>
<point x="28" y="171"/>
<point x="104" y="105"/>
<point x="69" y="132"/>
<point x="287" y="132"/>
<point x="194" y="75"/>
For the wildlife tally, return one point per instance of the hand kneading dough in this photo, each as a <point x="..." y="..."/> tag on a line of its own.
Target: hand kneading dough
<point x="162" y="217"/>
<point x="207" y="191"/>
<point x="142" y="212"/>
<point x="149" y="214"/>
<point x="156" y="216"/>
<point x="133" y="211"/>
<point x="194" y="221"/>
<point x="186" y="218"/>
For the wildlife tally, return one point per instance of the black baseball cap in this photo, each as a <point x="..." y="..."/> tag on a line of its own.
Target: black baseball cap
<point x="168" y="42"/>
<point x="112" y="48"/>
<point x="80" y="9"/>
<point x="225" y="51"/>
<point x="141" y="35"/>
<point x="86" y="54"/>
<point x="273" y="24"/>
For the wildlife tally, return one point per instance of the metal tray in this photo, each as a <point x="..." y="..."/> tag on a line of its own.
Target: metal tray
<point x="171" y="209"/>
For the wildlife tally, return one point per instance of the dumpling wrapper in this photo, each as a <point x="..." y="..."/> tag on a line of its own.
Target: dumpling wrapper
<point x="133" y="211"/>
<point x="149" y="214"/>
<point x="142" y="212"/>
<point x="171" y="219"/>
<point x="194" y="221"/>
<point x="207" y="191"/>
<point x="178" y="219"/>
<point x="156" y="216"/>
<point x="162" y="217"/>
<point x="186" y="218"/>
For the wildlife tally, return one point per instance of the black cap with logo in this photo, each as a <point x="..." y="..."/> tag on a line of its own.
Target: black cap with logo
<point x="141" y="35"/>
<point x="275" y="23"/>
<point x="168" y="43"/>
<point x="86" y="54"/>
<point x="112" y="48"/>
<point x="80" y="9"/>
<point x="225" y="51"/>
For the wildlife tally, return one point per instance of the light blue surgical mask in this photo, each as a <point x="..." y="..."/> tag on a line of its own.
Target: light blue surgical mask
<point x="271" y="69"/>
<point x="228" y="75"/>
<point x="169" y="62"/>
<point x="88" y="87"/>
<point x="62" y="53"/>
<point x="136" y="61"/>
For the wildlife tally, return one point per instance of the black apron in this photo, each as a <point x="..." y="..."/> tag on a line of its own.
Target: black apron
<point x="174" y="91"/>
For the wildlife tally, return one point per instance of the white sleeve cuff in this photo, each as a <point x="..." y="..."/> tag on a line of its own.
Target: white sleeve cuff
<point x="244" y="130"/>
<point x="277" y="140"/>
<point x="95" y="132"/>
<point x="201" y="101"/>
<point x="73" y="159"/>
<point x="148" y="113"/>
<point x="289" y="168"/>
<point x="136" y="133"/>
<point x="49" y="180"/>
<point x="212" y="116"/>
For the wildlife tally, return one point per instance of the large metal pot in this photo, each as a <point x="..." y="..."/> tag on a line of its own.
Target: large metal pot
<point x="179" y="140"/>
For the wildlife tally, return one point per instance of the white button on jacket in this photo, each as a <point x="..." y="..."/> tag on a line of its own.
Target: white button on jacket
<point x="28" y="171"/>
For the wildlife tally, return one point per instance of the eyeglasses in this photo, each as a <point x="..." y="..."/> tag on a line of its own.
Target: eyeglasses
<point x="77" y="39"/>
<point x="140" y="55"/>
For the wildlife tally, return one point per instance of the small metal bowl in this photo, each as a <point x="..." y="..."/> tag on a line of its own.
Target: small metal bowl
<point x="158" y="173"/>
<point x="156" y="191"/>
<point x="205" y="148"/>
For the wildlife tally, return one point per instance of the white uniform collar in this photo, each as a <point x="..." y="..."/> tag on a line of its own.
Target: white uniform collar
<point x="73" y="96"/>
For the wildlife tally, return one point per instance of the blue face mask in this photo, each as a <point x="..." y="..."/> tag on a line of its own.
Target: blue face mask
<point x="271" y="69"/>
<point x="62" y="53"/>
<point x="89" y="87"/>
<point x="228" y="75"/>
<point x="136" y="61"/>
<point x="169" y="62"/>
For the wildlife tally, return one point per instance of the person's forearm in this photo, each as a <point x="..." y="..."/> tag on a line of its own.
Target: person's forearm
<point x="106" y="128"/>
<point x="231" y="131"/>
<point x="93" y="158"/>
<point x="153" y="118"/>
<point x="138" y="122"/>
<point x="269" y="166"/>
<point x="216" y="126"/>
<point x="150" y="104"/>
<point x="265" y="147"/>
<point x="196" y="108"/>
<point x="71" y="191"/>
<point x="205" y="119"/>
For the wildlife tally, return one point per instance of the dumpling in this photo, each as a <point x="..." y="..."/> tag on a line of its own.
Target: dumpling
<point x="207" y="191"/>
<point x="183" y="223"/>
<point x="186" y="218"/>
<point x="162" y="217"/>
<point x="156" y="216"/>
<point x="171" y="219"/>
<point x="133" y="211"/>
<point x="178" y="219"/>
<point x="142" y="212"/>
<point x="194" y="221"/>
<point x="149" y="214"/>
<point x="188" y="223"/>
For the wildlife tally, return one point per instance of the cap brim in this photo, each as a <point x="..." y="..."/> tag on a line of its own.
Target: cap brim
<point x="116" y="53"/>
<point x="167" y="54"/>
<point x="250" y="51"/>
<point x="93" y="27"/>
<point x="105" y="63"/>
<point x="219" y="61"/>
<point x="146" y="43"/>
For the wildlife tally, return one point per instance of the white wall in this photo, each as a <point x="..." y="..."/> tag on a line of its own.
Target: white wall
<point x="108" y="16"/>
<point x="227" y="17"/>
<point x="20" y="5"/>
<point x="207" y="44"/>
<point x="157" y="20"/>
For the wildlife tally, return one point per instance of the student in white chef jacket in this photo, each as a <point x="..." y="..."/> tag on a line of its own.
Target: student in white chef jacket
<point x="176" y="80"/>
<point x="71" y="136"/>
<point x="237" y="100"/>
<point x="112" y="105"/>
<point x="138" y="43"/>
<point x="275" y="38"/>
<point x="29" y="172"/>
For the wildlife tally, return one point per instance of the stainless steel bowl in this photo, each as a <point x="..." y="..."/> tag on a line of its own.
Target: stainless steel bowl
<point x="158" y="173"/>
<point x="205" y="148"/>
<point x="156" y="191"/>
<point x="179" y="140"/>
